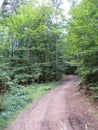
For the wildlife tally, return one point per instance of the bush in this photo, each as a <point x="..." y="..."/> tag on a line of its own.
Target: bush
<point x="17" y="98"/>
<point x="4" y="81"/>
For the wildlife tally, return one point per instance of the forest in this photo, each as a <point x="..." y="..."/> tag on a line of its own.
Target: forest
<point x="39" y="44"/>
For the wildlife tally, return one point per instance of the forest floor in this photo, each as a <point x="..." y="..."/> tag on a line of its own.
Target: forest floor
<point x="62" y="108"/>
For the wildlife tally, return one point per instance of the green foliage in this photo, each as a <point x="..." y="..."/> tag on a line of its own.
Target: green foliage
<point x="82" y="40"/>
<point x="15" y="100"/>
<point x="31" y="44"/>
<point x="4" y="81"/>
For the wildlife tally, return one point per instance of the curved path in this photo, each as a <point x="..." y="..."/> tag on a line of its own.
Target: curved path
<point x="62" y="108"/>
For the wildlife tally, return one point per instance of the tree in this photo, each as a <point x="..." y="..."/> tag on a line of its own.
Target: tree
<point x="9" y="6"/>
<point x="82" y="40"/>
<point x="57" y="3"/>
<point x="34" y="44"/>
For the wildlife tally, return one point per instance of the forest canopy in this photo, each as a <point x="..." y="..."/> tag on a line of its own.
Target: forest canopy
<point x="38" y="43"/>
<point x="32" y="44"/>
<point x="82" y="41"/>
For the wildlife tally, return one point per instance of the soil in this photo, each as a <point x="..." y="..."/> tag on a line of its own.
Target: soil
<point x="62" y="108"/>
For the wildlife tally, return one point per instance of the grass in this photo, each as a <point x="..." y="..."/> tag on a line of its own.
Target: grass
<point x="18" y="98"/>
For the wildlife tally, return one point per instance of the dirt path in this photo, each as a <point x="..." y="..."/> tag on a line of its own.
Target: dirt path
<point x="63" y="108"/>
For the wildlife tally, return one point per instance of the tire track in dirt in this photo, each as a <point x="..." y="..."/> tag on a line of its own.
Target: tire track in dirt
<point x="62" y="108"/>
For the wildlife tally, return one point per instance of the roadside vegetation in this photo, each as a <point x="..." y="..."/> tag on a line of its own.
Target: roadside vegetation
<point x="82" y="41"/>
<point x="38" y="44"/>
<point x="18" y="98"/>
<point x="31" y="44"/>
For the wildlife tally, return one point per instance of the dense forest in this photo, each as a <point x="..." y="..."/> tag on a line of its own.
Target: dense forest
<point x="32" y="43"/>
<point x="32" y="52"/>
<point x="39" y="44"/>
<point x="82" y="43"/>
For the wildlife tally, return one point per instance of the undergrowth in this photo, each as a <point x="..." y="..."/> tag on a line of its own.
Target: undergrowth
<point x="17" y="98"/>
